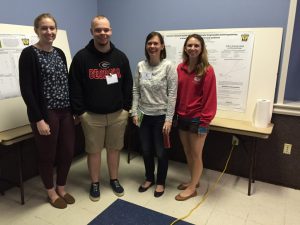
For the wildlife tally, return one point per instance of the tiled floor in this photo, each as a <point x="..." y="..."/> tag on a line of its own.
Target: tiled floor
<point x="227" y="205"/>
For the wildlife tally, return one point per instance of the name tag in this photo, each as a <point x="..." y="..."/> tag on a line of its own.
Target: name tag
<point x="111" y="79"/>
<point x="146" y="76"/>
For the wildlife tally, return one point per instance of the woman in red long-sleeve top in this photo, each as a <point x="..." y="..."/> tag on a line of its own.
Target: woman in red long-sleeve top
<point x="195" y="108"/>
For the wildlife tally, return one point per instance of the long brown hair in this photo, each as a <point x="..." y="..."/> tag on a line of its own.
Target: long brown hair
<point x="202" y="63"/>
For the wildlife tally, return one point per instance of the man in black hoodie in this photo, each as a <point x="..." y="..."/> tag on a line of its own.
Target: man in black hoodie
<point x="101" y="96"/>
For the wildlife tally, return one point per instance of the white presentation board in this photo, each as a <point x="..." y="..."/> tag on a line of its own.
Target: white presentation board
<point x="259" y="77"/>
<point x="13" y="110"/>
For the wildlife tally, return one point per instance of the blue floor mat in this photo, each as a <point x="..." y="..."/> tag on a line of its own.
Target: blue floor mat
<point x="121" y="212"/>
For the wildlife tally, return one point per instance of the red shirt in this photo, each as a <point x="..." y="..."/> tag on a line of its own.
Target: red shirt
<point x="196" y="96"/>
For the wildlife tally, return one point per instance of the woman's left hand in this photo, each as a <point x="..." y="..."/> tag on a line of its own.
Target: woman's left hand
<point x="76" y="120"/>
<point x="167" y="127"/>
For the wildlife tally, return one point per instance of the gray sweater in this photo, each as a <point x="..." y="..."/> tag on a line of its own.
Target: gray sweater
<point x="155" y="89"/>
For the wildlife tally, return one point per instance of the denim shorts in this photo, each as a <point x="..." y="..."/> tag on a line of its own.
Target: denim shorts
<point x="191" y="125"/>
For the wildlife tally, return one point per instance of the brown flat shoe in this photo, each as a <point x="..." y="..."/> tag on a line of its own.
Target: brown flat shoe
<point x="69" y="199"/>
<point x="180" y="198"/>
<point x="59" y="203"/>
<point x="183" y="186"/>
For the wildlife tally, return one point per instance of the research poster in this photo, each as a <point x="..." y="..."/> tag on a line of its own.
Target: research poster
<point x="11" y="46"/>
<point x="230" y="54"/>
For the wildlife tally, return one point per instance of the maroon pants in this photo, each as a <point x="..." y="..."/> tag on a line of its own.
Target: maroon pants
<point x="56" y="148"/>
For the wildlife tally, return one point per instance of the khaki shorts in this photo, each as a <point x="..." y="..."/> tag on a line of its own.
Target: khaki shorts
<point x="104" y="130"/>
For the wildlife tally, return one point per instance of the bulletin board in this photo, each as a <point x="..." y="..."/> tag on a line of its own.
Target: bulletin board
<point x="263" y="68"/>
<point x="13" y="110"/>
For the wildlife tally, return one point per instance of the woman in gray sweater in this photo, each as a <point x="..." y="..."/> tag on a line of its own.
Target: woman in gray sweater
<point x="154" y="99"/>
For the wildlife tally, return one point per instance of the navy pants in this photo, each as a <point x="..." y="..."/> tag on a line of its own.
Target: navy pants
<point x="151" y="138"/>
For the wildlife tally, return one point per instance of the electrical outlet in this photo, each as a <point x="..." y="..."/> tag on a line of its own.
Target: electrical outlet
<point x="287" y="148"/>
<point x="235" y="140"/>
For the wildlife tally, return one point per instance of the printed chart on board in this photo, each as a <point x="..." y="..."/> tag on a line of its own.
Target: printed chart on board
<point x="230" y="54"/>
<point x="11" y="46"/>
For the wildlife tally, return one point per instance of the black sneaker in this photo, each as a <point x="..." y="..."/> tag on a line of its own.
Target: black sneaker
<point x="95" y="192"/>
<point x="117" y="188"/>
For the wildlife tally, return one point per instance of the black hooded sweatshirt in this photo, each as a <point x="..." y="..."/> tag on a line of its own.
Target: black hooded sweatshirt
<point x="89" y="90"/>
